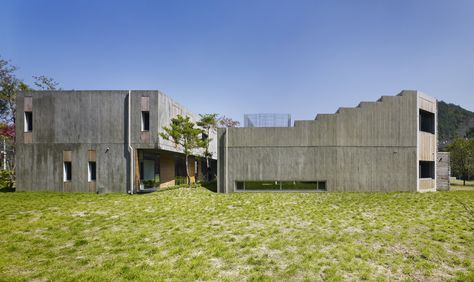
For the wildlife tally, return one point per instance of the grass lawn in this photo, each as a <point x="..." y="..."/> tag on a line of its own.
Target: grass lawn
<point x="182" y="236"/>
<point x="459" y="185"/>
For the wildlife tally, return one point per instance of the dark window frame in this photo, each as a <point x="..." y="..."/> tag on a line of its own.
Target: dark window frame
<point x="145" y="124"/>
<point x="427" y="121"/>
<point x="92" y="171"/>
<point x="67" y="171"/>
<point x="426" y="170"/>
<point x="28" y="121"/>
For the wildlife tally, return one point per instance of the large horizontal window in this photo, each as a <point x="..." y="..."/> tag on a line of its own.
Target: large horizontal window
<point x="427" y="122"/>
<point x="273" y="185"/>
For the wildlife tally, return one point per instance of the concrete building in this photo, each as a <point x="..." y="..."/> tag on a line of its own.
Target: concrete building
<point x="98" y="141"/>
<point x="388" y="145"/>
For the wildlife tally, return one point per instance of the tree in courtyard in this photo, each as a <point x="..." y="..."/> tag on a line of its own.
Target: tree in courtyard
<point x="183" y="133"/>
<point x="207" y="122"/>
<point x="462" y="158"/>
<point x="227" y="122"/>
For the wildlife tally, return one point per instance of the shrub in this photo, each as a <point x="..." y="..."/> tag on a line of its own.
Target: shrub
<point x="151" y="183"/>
<point x="180" y="180"/>
<point x="210" y="185"/>
<point x="6" y="182"/>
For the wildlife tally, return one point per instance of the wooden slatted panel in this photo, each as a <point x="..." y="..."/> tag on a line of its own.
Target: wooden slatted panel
<point x="427" y="105"/>
<point x="67" y="187"/>
<point x="92" y="187"/>
<point x="67" y="156"/>
<point x="28" y="104"/>
<point x="426" y="184"/>
<point x="28" y="137"/>
<point x="145" y="103"/>
<point x="167" y="169"/>
<point x="92" y="156"/>
<point x="427" y="146"/>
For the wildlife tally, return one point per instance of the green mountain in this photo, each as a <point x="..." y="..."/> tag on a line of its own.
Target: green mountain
<point x="453" y="121"/>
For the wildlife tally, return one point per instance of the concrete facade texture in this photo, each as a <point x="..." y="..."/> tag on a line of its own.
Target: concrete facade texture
<point x="83" y="121"/>
<point x="443" y="172"/>
<point x="376" y="146"/>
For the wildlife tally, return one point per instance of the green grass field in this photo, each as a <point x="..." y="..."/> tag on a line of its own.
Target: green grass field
<point x="182" y="236"/>
<point x="457" y="185"/>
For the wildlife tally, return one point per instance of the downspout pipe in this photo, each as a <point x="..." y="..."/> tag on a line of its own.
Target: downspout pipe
<point x="130" y="149"/>
<point x="227" y="160"/>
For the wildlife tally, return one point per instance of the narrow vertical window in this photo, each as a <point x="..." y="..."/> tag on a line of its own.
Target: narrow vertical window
<point x="145" y="120"/>
<point x="67" y="173"/>
<point x="91" y="176"/>
<point x="28" y="121"/>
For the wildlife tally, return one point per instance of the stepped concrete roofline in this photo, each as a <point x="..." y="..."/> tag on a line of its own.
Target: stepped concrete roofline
<point x="385" y="145"/>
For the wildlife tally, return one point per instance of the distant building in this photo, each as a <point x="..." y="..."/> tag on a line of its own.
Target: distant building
<point x="98" y="141"/>
<point x="388" y="145"/>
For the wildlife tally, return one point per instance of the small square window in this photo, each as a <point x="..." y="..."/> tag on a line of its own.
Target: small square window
<point x="145" y="121"/>
<point x="28" y="121"/>
<point x="427" y="169"/>
<point x="67" y="172"/>
<point x="91" y="175"/>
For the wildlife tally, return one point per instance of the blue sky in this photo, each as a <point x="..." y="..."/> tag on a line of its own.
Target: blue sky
<point x="236" y="57"/>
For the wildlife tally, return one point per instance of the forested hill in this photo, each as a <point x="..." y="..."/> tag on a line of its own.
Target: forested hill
<point x="453" y="121"/>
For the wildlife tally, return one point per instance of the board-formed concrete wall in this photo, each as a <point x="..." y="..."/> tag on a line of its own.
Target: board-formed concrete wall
<point x="443" y="172"/>
<point x="79" y="121"/>
<point x="372" y="147"/>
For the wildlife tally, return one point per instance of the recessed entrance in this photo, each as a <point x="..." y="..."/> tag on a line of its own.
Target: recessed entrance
<point x="158" y="169"/>
<point x="149" y="169"/>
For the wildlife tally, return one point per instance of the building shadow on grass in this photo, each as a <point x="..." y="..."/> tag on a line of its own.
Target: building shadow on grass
<point x="7" y="190"/>
<point x="211" y="185"/>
